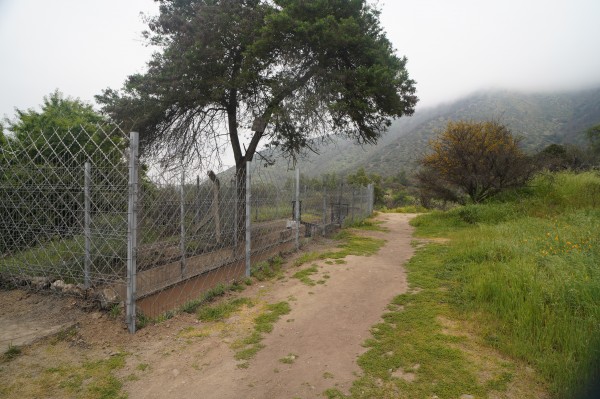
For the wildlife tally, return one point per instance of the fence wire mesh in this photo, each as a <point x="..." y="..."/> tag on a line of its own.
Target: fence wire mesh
<point x="78" y="217"/>
<point x="63" y="209"/>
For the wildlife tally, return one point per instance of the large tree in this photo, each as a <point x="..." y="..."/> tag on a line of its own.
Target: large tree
<point x="276" y="71"/>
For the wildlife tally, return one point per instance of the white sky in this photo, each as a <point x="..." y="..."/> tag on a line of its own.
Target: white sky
<point x="453" y="47"/>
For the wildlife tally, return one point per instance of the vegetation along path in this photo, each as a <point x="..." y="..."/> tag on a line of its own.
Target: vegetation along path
<point x="332" y="305"/>
<point x="342" y="321"/>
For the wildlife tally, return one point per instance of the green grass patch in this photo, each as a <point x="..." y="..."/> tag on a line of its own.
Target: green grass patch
<point x="89" y="380"/>
<point x="222" y="310"/>
<point x="263" y="324"/>
<point x="366" y="224"/>
<point x="411" y="339"/>
<point x="289" y="359"/>
<point x="304" y="275"/>
<point x="525" y="266"/>
<point x="11" y="353"/>
<point x="405" y="209"/>
<point x="267" y="269"/>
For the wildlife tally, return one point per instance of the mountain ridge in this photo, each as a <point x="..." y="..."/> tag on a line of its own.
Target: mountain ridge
<point x="539" y="119"/>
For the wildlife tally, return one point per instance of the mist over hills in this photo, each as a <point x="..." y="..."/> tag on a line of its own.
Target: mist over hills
<point x="540" y="119"/>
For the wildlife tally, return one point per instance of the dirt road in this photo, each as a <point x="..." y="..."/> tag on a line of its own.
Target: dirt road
<point x="311" y="349"/>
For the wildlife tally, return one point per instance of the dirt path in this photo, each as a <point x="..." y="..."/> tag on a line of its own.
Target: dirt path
<point x="324" y="332"/>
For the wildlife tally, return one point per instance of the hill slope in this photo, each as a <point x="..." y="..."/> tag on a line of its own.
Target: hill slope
<point x="540" y="119"/>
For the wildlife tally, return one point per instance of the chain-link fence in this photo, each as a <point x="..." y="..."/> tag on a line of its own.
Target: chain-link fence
<point x="63" y="209"/>
<point x="81" y="217"/>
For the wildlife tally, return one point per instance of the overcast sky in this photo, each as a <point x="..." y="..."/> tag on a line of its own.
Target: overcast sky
<point x="453" y="47"/>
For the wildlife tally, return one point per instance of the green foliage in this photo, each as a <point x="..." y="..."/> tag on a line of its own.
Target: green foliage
<point x="527" y="270"/>
<point x="11" y="353"/>
<point x="208" y="296"/>
<point x="304" y="275"/>
<point x="263" y="323"/>
<point x="268" y="269"/>
<point x="65" y="133"/>
<point x="37" y="156"/>
<point x="360" y="178"/>
<point x="593" y="135"/>
<point x="222" y="310"/>
<point x="261" y="64"/>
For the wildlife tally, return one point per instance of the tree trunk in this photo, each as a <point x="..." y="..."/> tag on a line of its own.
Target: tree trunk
<point x="240" y="210"/>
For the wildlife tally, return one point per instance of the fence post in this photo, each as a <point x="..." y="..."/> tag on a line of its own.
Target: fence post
<point x="182" y="222"/>
<point x="324" y="210"/>
<point x="297" y="208"/>
<point x="371" y="198"/>
<point x="87" y="225"/>
<point x="198" y="200"/>
<point x="132" y="231"/>
<point x="248" y="216"/>
<point x="352" y="204"/>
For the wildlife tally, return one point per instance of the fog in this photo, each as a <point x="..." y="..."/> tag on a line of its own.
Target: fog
<point x="453" y="48"/>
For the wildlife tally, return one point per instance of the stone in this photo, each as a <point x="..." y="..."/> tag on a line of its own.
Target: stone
<point x="107" y="298"/>
<point x="40" y="283"/>
<point x="58" y="285"/>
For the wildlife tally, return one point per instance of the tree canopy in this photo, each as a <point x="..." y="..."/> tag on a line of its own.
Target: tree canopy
<point x="65" y="132"/>
<point x="593" y="135"/>
<point x="478" y="159"/>
<point x="277" y="71"/>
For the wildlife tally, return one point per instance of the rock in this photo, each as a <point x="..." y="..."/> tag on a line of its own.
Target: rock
<point x="40" y="283"/>
<point x="58" y="285"/>
<point x="107" y="297"/>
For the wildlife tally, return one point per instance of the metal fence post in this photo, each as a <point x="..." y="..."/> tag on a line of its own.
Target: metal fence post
<point x="324" y="210"/>
<point x="297" y="209"/>
<point x="352" y="205"/>
<point x="370" y="198"/>
<point x="182" y="222"/>
<point x="132" y="231"/>
<point x="248" y="216"/>
<point x="86" y="225"/>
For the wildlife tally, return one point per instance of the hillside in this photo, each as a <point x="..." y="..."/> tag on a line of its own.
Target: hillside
<point x="540" y="119"/>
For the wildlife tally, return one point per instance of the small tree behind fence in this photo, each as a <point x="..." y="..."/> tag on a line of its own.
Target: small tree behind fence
<point x="80" y="219"/>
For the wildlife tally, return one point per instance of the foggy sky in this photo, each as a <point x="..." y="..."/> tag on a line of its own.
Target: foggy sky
<point x="453" y="47"/>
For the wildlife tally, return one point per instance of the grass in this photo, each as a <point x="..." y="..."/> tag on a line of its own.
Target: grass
<point x="366" y="224"/>
<point x="350" y="244"/>
<point x="267" y="269"/>
<point x="289" y="359"/>
<point x="11" y="353"/>
<point x="247" y="348"/>
<point x="405" y="209"/>
<point x="222" y="310"/>
<point x="516" y="285"/>
<point x="525" y="267"/>
<point x="303" y="275"/>
<point x="88" y="380"/>
<point x="412" y="339"/>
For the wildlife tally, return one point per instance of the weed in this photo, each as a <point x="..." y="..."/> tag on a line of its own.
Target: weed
<point x="222" y="310"/>
<point x="263" y="323"/>
<point x="267" y="269"/>
<point x="142" y="366"/>
<point x="303" y="275"/>
<point x="289" y="359"/>
<point x="115" y="311"/>
<point x="327" y="375"/>
<point x="12" y="352"/>
<point x="64" y="335"/>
